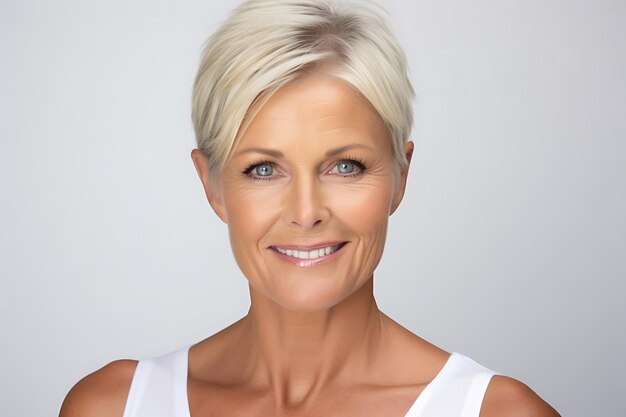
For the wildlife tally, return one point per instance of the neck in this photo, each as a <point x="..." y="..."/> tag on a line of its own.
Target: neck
<point x="295" y="353"/>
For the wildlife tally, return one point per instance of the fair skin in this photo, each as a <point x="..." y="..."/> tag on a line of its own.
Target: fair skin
<point x="315" y="169"/>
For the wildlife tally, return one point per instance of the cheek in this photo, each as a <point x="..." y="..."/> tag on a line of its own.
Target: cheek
<point x="251" y="214"/>
<point x="364" y="207"/>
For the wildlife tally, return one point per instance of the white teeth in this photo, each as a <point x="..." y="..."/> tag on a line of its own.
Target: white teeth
<point x="314" y="254"/>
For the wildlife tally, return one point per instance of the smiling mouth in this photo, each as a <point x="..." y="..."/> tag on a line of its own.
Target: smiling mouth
<point x="316" y="253"/>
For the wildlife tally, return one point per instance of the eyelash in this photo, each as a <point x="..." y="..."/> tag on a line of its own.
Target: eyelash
<point x="250" y="167"/>
<point x="356" y="161"/>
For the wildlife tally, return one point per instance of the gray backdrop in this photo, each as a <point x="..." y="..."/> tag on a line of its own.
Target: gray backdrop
<point x="509" y="246"/>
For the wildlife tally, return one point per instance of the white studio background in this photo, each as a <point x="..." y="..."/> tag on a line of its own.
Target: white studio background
<point x="510" y="246"/>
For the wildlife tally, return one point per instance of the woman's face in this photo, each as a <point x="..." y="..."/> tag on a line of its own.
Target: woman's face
<point x="308" y="193"/>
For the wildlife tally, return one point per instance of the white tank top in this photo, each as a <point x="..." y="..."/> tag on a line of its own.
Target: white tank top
<point x="159" y="389"/>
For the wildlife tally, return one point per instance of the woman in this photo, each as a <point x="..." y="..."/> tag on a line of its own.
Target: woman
<point x="302" y="111"/>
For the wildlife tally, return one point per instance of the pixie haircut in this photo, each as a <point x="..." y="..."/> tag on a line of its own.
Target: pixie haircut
<point x="265" y="44"/>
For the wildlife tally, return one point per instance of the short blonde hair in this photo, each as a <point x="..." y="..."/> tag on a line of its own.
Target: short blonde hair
<point x="265" y="44"/>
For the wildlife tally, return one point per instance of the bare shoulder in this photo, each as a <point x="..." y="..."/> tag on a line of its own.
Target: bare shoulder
<point x="508" y="397"/>
<point x="102" y="393"/>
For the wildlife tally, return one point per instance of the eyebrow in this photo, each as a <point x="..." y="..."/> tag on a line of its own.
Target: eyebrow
<point x="265" y="151"/>
<point x="278" y="154"/>
<point x="342" y="149"/>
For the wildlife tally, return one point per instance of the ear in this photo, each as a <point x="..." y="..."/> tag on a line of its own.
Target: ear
<point x="399" y="194"/>
<point x="212" y="189"/>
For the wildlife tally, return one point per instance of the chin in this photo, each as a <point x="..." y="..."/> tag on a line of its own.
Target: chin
<point x="312" y="301"/>
<point x="306" y="298"/>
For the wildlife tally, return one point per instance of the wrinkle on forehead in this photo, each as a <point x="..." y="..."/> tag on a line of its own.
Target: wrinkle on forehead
<point x="316" y="108"/>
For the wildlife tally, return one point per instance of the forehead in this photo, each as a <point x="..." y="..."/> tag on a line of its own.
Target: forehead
<point x="318" y="109"/>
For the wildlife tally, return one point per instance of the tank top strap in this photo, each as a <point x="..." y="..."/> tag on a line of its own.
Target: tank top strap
<point x="159" y="387"/>
<point x="457" y="391"/>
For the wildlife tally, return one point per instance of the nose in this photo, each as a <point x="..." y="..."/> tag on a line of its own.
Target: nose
<point x="306" y="206"/>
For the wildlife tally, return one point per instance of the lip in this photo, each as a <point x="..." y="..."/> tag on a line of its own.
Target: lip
<point x="304" y="263"/>
<point x="310" y="247"/>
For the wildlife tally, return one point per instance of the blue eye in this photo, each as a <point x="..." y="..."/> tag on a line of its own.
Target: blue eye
<point x="261" y="170"/>
<point x="345" y="167"/>
<point x="348" y="167"/>
<point x="264" y="170"/>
